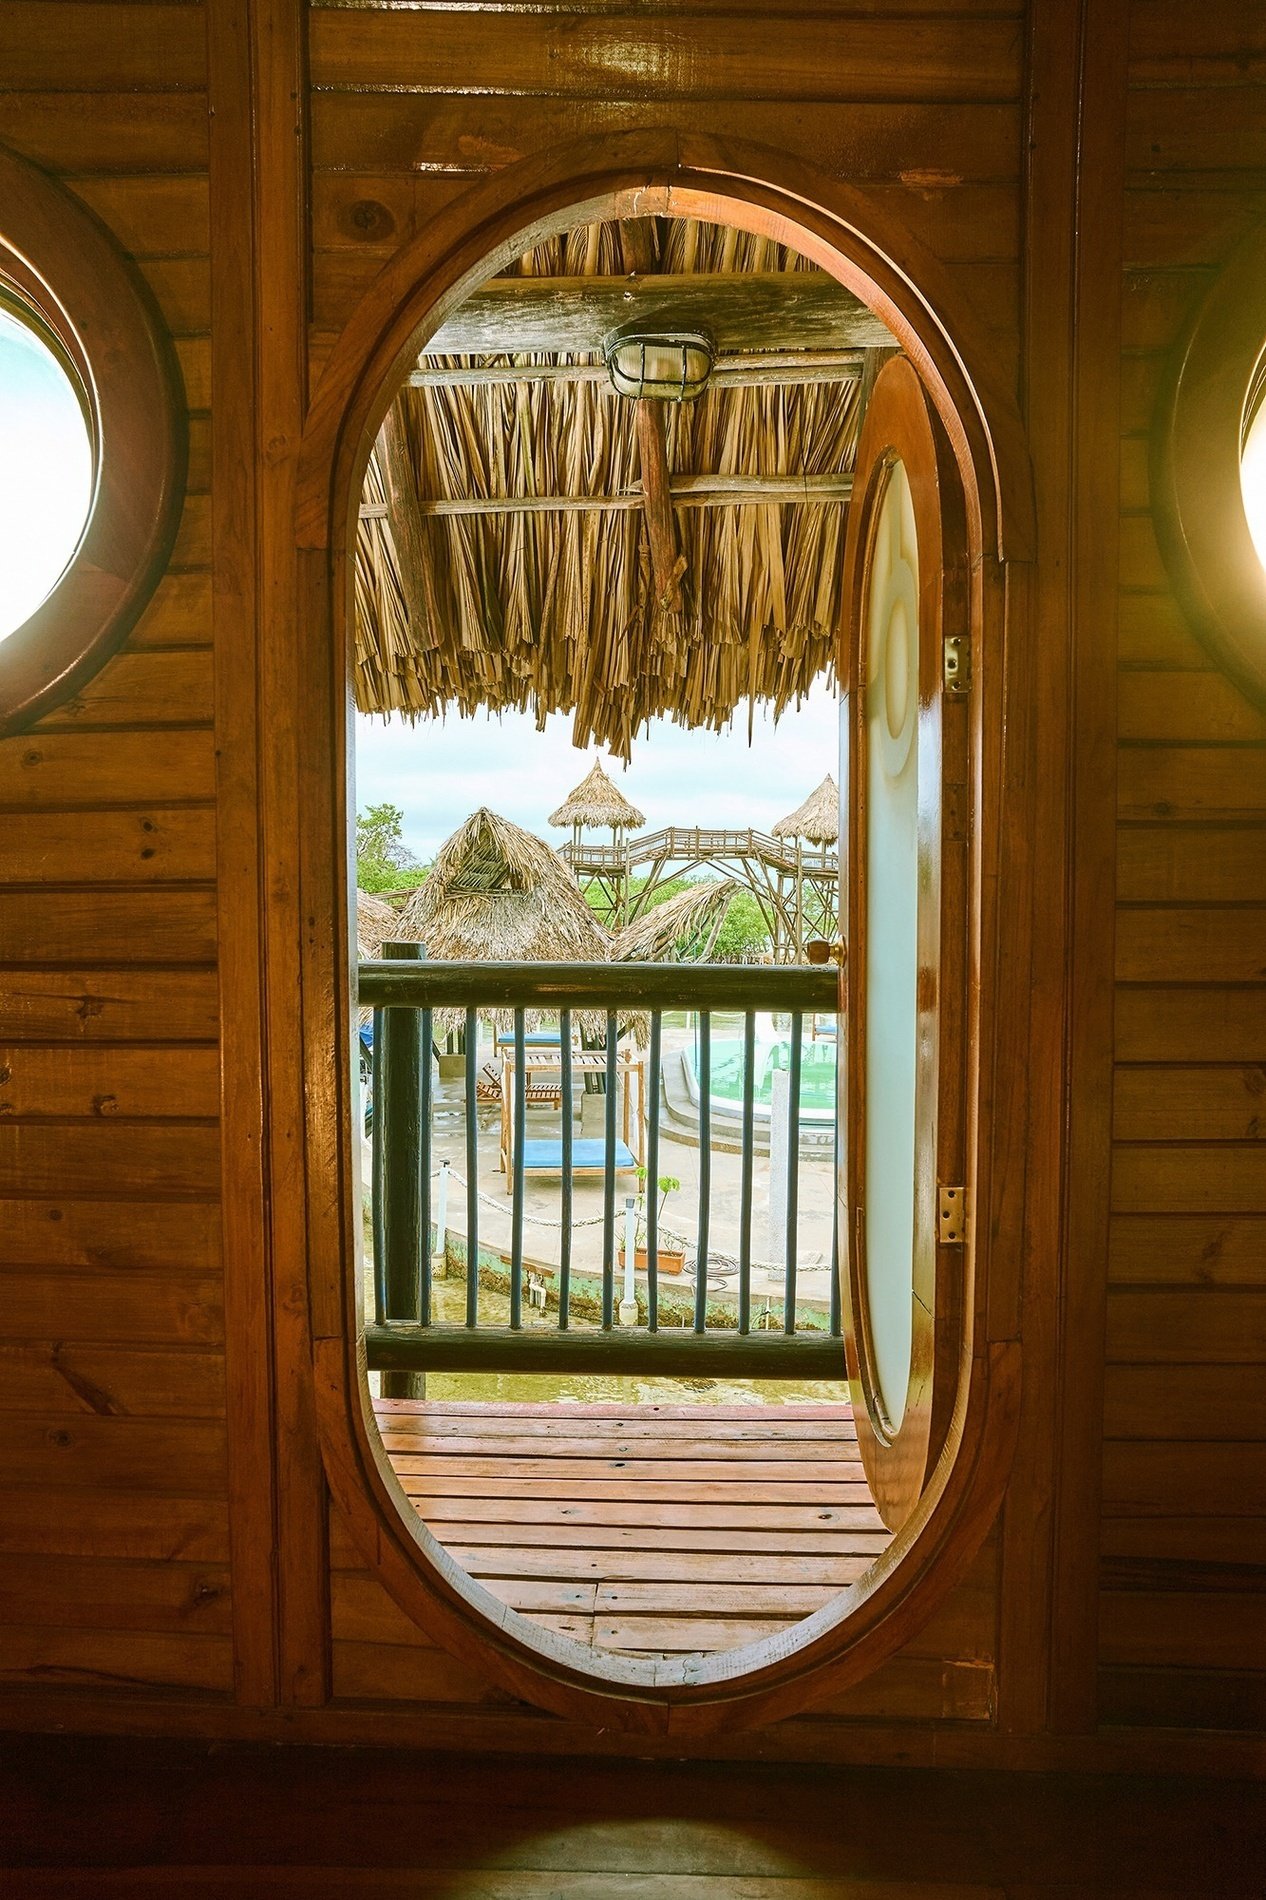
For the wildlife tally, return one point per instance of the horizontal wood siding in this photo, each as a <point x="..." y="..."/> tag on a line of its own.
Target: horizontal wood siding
<point x="113" y="1529"/>
<point x="1183" y="1623"/>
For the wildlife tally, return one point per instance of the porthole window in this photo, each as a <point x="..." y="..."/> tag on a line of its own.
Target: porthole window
<point x="46" y="464"/>
<point x="1209" y="469"/>
<point x="92" y="446"/>
<point x="1253" y="462"/>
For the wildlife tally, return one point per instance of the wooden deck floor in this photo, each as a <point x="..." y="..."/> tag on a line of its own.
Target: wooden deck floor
<point x="651" y="1530"/>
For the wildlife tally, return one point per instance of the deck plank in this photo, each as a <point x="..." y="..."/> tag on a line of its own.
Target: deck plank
<point x="651" y="1530"/>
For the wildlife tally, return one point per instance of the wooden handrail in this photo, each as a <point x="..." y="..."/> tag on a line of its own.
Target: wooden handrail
<point x="598" y="986"/>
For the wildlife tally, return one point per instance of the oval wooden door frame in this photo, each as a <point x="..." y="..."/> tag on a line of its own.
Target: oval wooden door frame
<point x="670" y="174"/>
<point x="68" y="268"/>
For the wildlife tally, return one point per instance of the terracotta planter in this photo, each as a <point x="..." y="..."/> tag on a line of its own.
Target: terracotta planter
<point x="668" y="1259"/>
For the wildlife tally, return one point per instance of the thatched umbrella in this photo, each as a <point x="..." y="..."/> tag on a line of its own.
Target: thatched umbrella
<point x="817" y="820"/>
<point x="597" y="803"/>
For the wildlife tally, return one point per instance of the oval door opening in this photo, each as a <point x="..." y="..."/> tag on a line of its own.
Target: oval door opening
<point x="465" y="494"/>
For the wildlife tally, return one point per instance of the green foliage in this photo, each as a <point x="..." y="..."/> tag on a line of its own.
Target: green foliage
<point x="744" y="928"/>
<point x="384" y="861"/>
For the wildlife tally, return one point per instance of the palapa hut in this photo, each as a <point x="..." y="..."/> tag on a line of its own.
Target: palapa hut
<point x="375" y="922"/>
<point x="497" y="894"/>
<point x="817" y="821"/>
<point x="682" y="929"/>
<point x="532" y="539"/>
<point x="594" y="805"/>
<point x="816" y="897"/>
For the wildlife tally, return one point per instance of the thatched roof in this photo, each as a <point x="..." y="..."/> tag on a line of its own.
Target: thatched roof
<point x="497" y="894"/>
<point x="597" y="803"/>
<point x="375" y="921"/>
<point x="817" y="820"/>
<point x="678" y="929"/>
<point x="556" y="610"/>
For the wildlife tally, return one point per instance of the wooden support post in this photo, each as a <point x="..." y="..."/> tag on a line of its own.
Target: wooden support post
<point x="668" y="564"/>
<point x="404" y="517"/>
<point x="398" y="1127"/>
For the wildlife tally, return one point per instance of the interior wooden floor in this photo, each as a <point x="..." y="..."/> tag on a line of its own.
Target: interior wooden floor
<point x="188" y="1822"/>
<point x="648" y="1530"/>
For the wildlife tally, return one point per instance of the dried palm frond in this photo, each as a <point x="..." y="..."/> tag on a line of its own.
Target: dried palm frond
<point x="557" y="611"/>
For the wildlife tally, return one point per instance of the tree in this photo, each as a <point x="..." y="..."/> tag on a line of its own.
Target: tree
<point x="384" y="861"/>
<point x="743" y="931"/>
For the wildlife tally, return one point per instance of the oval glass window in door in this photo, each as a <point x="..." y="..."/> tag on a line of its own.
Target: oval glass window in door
<point x="891" y="717"/>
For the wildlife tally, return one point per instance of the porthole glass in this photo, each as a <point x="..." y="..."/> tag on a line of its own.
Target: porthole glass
<point x="46" y="468"/>
<point x="1253" y="471"/>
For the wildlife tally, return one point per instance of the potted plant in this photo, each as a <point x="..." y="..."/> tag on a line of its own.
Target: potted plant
<point x="668" y="1259"/>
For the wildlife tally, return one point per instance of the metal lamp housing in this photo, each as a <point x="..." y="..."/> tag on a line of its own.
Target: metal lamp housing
<point x="662" y="366"/>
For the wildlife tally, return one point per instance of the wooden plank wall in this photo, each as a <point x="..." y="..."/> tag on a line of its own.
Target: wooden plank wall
<point x="1183" y="1617"/>
<point x="113" y="1519"/>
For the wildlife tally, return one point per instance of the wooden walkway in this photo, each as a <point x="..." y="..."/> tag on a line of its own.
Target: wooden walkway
<point x="648" y="1529"/>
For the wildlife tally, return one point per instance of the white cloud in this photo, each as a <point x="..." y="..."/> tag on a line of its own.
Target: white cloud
<point x="438" y="772"/>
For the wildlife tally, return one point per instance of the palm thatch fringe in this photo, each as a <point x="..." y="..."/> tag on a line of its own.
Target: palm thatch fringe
<point x="375" y="922"/>
<point x="817" y="821"/>
<point x="557" y="612"/>
<point x="680" y="930"/>
<point x="597" y="804"/>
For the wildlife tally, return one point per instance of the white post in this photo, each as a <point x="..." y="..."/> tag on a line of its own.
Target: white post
<point x="441" y="1220"/>
<point x="628" y="1305"/>
<point x="779" y="1155"/>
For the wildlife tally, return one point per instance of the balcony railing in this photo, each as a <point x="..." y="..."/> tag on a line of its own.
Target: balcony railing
<point x="602" y="1035"/>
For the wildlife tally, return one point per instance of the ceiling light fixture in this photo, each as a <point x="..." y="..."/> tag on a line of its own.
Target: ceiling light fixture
<point x="670" y="366"/>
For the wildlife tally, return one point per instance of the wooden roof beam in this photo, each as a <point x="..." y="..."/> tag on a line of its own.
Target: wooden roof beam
<point x="740" y="310"/>
<point x="728" y="372"/>
<point x="687" y="491"/>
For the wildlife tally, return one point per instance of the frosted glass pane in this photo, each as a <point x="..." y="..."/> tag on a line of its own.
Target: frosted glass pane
<point x="892" y="912"/>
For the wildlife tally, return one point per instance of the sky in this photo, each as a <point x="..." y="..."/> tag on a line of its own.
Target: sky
<point x="45" y="472"/>
<point x="439" y="772"/>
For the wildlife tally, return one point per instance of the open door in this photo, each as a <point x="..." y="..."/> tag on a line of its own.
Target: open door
<point x="905" y="662"/>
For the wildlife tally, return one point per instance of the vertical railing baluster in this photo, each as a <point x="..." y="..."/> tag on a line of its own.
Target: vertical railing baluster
<point x="705" y="1169"/>
<point x="403" y="1162"/>
<point x="519" y="1137"/>
<point x="837" y="1318"/>
<point x="377" y="1189"/>
<point x="745" y="1189"/>
<point x="424" y="1167"/>
<point x="608" y="1181"/>
<point x="564" y="1242"/>
<point x="472" y="1167"/>
<point x="650" y="1200"/>
<point x="793" y="1172"/>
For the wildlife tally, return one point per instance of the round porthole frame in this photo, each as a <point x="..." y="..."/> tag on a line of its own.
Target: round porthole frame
<point x="63" y="271"/>
<point x="1197" y="495"/>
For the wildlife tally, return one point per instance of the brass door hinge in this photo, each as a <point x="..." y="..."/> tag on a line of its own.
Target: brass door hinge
<point x="956" y="665"/>
<point x="952" y="1216"/>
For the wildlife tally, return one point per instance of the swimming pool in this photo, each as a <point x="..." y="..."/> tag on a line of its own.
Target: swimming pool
<point x="773" y="1053"/>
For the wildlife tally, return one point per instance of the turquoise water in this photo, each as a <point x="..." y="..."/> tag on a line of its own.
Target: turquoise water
<point x="773" y="1052"/>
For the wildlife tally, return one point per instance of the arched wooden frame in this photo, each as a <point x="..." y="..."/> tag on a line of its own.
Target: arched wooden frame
<point x="668" y="174"/>
<point x="1197" y="497"/>
<point x="65" y="269"/>
<point x="900" y="426"/>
